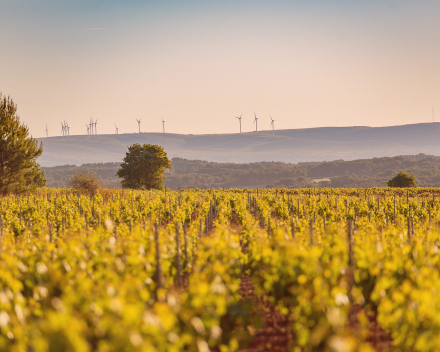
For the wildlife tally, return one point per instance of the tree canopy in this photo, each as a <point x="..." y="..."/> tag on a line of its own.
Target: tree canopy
<point x="19" y="171"/>
<point x="402" y="179"/>
<point x="143" y="167"/>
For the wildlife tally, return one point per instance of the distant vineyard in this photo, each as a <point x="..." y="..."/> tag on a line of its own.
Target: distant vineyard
<point x="239" y="270"/>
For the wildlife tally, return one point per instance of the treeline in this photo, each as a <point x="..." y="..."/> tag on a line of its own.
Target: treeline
<point x="203" y="174"/>
<point x="58" y="176"/>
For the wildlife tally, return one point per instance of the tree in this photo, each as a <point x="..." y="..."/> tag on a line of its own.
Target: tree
<point x="19" y="171"/>
<point x="85" y="180"/>
<point x="39" y="179"/>
<point x="402" y="179"/>
<point x="143" y="167"/>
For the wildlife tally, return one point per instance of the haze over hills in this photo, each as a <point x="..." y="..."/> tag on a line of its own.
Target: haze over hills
<point x="293" y="146"/>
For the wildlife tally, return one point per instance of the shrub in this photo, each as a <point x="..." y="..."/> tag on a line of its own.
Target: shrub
<point x="85" y="180"/>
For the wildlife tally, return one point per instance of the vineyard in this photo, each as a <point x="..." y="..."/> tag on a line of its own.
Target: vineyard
<point x="240" y="270"/>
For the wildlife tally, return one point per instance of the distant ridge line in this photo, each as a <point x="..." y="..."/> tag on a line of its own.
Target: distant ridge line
<point x="288" y="145"/>
<point x="250" y="132"/>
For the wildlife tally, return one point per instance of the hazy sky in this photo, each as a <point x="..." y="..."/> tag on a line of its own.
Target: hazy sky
<point x="198" y="64"/>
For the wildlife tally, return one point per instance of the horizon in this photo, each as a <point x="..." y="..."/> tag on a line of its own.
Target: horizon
<point x="234" y="133"/>
<point x="199" y="64"/>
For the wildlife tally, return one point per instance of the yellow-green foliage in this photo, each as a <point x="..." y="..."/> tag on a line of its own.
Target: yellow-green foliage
<point x="81" y="274"/>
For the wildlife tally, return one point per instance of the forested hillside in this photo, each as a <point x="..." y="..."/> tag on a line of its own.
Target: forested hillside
<point x="203" y="174"/>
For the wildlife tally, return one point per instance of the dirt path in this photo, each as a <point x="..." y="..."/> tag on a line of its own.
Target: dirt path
<point x="275" y="334"/>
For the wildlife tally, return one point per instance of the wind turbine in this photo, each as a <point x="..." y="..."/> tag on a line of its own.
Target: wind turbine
<point x="62" y="129"/>
<point x="66" y="126"/>
<point x="117" y="129"/>
<point x="47" y="131"/>
<point x="91" y="126"/>
<point x="239" y="119"/>
<point x="163" y="125"/>
<point x="139" y="123"/>
<point x="96" y="128"/>
<point x="256" y="122"/>
<point x="272" y="124"/>
<point x="88" y="129"/>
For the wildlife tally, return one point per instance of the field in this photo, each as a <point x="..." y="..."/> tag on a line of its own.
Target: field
<point x="239" y="270"/>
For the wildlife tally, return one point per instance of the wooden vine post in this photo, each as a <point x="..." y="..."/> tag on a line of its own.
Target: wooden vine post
<point x="159" y="282"/>
<point x="178" y="263"/>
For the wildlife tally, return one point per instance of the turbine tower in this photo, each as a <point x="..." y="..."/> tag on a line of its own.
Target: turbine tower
<point x="91" y="126"/>
<point x="65" y="129"/>
<point x="139" y="123"/>
<point x="117" y="129"/>
<point x="272" y="124"/>
<point x="88" y="129"/>
<point x="47" y="131"/>
<point x="239" y="119"/>
<point x="163" y="125"/>
<point x="256" y="122"/>
<point x="96" y="128"/>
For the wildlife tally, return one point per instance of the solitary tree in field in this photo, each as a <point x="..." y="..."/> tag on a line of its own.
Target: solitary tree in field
<point x="19" y="170"/>
<point x="143" y="167"/>
<point x="402" y="179"/>
<point x="85" y="180"/>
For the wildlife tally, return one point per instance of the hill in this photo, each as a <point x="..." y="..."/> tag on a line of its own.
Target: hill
<point x="291" y="146"/>
<point x="204" y="174"/>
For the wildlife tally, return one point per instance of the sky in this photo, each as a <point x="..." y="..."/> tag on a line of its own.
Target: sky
<point x="199" y="64"/>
